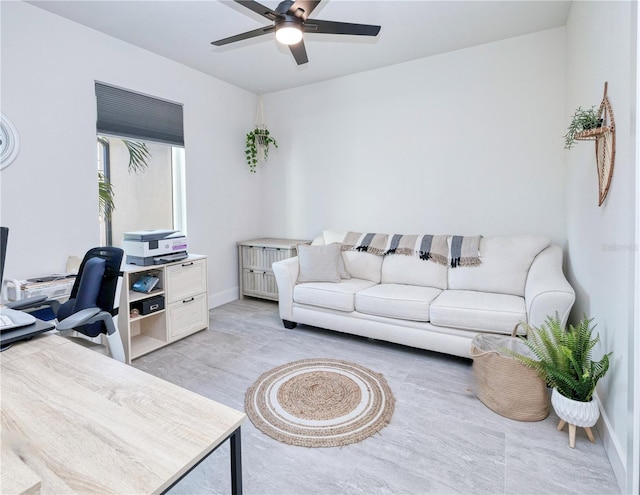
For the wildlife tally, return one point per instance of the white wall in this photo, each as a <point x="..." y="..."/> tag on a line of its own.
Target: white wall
<point x="49" y="194"/>
<point x="601" y="240"/>
<point x="465" y="142"/>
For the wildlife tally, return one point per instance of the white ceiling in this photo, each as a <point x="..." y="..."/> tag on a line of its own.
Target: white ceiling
<point x="182" y="30"/>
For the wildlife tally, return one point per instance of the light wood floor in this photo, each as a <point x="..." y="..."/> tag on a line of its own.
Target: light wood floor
<point x="441" y="439"/>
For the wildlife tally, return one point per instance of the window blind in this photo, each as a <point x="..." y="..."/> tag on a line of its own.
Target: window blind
<point x="134" y="115"/>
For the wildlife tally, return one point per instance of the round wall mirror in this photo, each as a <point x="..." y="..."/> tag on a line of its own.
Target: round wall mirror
<point x="9" y="142"/>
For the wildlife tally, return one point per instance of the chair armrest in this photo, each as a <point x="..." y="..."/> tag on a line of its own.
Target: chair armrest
<point x="547" y="290"/>
<point x="30" y="302"/>
<point x="286" y="273"/>
<point x="92" y="315"/>
<point x="78" y="319"/>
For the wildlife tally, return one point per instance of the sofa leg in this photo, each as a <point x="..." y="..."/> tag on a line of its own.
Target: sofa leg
<point x="289" y="324"/>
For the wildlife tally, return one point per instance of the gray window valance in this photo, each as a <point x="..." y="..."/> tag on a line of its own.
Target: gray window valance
<point x="134" y="115"/>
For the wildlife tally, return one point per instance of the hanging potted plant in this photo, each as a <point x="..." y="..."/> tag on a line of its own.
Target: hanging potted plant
<point x="582" y="120"/>
<point x="563" y="360"/>
<point x="258" y="141"/>
<point x="257" y="146"/>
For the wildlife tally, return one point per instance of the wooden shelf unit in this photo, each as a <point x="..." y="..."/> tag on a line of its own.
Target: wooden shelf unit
<point x="183" y="285"/>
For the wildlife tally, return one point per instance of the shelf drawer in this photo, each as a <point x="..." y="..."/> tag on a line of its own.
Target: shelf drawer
<point x="264" y="257"/>
<point x="186" y="279"/>
<point x="187" y="316"/>
<point x="259" y="282"/>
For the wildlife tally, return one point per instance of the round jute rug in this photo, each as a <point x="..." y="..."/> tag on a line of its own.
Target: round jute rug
<point x="319" y="403"/>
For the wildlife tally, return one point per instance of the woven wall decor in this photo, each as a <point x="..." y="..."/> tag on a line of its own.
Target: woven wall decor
<point x="605" y="138"/>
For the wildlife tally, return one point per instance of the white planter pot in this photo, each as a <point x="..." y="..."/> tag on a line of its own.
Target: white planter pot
<point x="583" y="414"/>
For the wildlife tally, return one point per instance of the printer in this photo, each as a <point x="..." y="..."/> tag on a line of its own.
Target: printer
<point x="154" y="247"/>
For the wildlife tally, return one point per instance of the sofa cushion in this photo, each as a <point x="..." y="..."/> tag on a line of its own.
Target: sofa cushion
<point x="339" y="296"/>
<point x="504" y="266"/>
<point x="318" y="263"/>
<point x="480" y="311"/>
<point x="407" y="302"/>
<point x="411" y="270"/>
<point x="366" y="266"/>
<point x="332" y="236"/>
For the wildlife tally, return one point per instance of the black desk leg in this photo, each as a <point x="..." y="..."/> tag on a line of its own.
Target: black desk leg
<point x="236" y="463"/>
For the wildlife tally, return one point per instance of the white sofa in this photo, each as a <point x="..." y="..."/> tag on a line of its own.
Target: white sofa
<point x="423" y="304"/>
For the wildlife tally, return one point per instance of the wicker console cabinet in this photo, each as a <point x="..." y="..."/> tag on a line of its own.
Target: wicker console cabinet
<point x="254" y="261"/>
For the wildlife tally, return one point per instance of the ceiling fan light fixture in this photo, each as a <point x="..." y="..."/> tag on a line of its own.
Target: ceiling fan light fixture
<point x="288" y="33"/>
<point x="289" y="20"/>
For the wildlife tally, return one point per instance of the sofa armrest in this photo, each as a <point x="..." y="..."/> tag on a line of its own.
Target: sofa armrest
<point x="547" y="291"/>
<point x="286" y="273"/>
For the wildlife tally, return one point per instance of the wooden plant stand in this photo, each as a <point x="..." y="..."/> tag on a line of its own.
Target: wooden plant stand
<point x="572" y="433"/>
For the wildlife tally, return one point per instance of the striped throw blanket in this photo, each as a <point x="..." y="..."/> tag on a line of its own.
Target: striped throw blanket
<point x="464" y="250"/>
<point x="455" y="250"/>
<point x="369" y="243"/>
<point x="434" y="248"/>
<point x="426" y="247"/>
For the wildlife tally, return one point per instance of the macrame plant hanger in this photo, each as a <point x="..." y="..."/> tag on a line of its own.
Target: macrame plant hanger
<point x="260" y="126"/>
<point x="605" y="138"/>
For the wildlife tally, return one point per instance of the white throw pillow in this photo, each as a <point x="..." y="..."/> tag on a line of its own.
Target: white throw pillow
<point x="342" y="269"/>
<point x="318" y="263"/>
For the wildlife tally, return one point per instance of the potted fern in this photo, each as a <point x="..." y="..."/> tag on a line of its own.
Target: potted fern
<point x="563" y="360"/>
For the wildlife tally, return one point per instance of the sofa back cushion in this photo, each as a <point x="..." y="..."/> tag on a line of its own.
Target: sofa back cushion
<point x="411" y="270"/>
<point x="362" y="265"/>
<point x="504" y="266"/>
<point x="330" y="236"/>
<point x="318" y="241"/>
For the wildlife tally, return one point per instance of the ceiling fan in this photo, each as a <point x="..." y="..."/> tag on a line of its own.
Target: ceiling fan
<point x="290" y="20"/>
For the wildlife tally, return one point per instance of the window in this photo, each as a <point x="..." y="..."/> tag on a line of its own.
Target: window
<point x="141" y="163"/>
<point x="145" y="197"/>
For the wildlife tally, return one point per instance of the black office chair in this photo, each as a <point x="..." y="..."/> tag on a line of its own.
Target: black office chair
<point x="90" y="309"/>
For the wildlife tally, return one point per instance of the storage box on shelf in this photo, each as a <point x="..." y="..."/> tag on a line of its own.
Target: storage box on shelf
<point x="255" y="258"/>
<point x="175" y="308"/>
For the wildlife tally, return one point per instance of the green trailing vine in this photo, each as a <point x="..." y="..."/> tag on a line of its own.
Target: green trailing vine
<point x="258" y="141"/>
<point x="582" y="120"/>
<point x="563" y="357"/>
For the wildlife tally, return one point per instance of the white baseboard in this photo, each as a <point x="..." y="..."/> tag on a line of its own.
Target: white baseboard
<point x="612" y="447"/>
<point x="223" y="297"/>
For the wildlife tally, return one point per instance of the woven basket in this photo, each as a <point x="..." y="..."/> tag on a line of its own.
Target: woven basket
<point x="505" y="385"/>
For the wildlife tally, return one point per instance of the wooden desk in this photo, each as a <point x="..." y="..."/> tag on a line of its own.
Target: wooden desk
<point x="75" y="421"/>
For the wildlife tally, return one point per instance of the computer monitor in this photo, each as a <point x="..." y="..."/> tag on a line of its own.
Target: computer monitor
<point x="28" y="326"/>
<point x="4" y="235"/>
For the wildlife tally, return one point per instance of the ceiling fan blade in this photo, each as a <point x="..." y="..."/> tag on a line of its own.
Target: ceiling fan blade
<point x="258" y="9"/>
<point x="331" y="27"/>
<point x="244" y="36"/>
<point x="303" y="8"/>
<point x="299" y="52"/>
